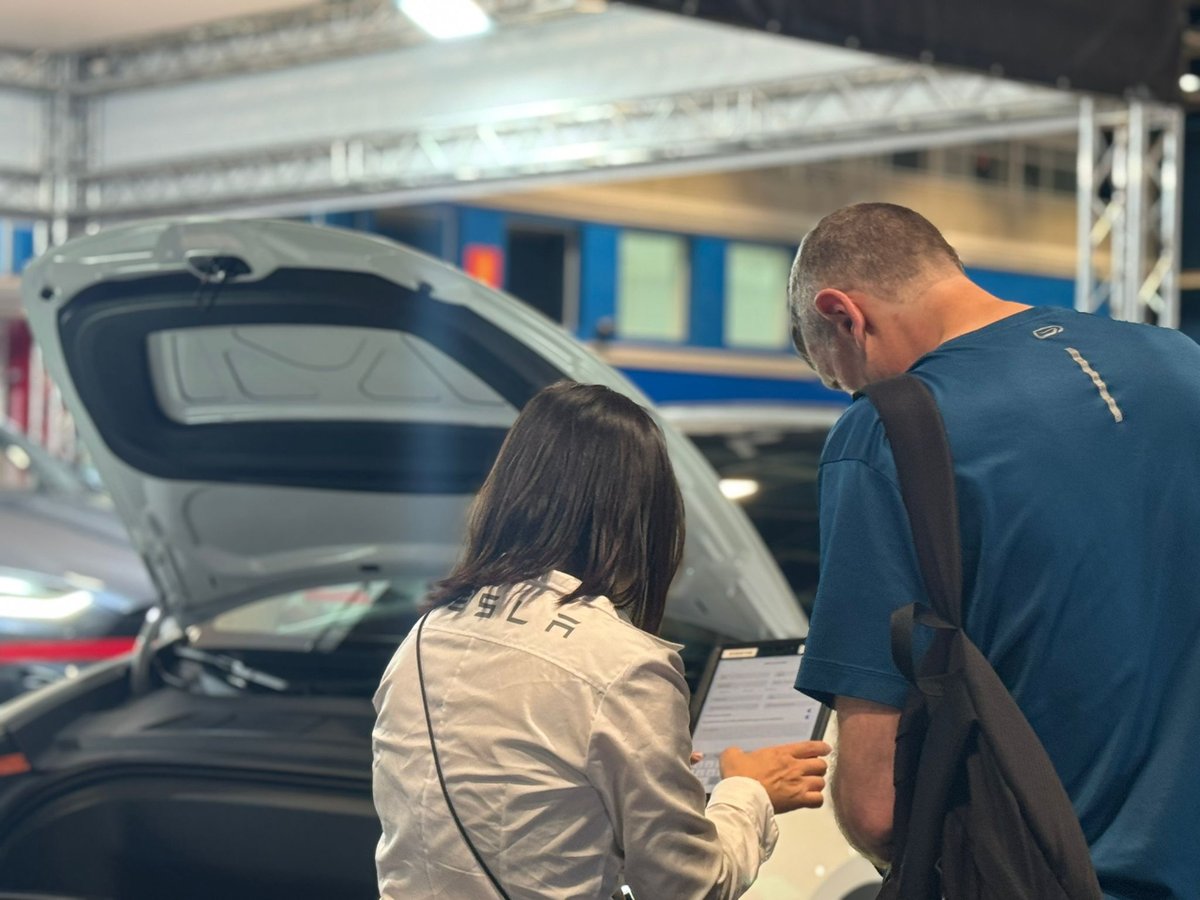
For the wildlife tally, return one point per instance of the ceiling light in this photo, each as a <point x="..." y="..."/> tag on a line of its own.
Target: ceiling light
<point x="17" y="456"/>
<point x="1189" y="82"/>
<point x="447" y="19"/>
<point x="739" y="488"/>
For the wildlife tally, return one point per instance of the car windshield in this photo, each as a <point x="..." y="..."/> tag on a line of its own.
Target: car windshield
<point x="372" y="617"/>
<point x="321" y="619"/>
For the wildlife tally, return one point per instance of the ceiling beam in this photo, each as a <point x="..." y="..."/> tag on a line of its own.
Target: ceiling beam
<point x="870" y="111"/>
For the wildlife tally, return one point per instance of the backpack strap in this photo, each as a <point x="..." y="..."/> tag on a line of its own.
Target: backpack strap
<point x="915" y="430"/>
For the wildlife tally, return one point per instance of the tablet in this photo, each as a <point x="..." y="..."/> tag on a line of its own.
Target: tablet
<point x="747" y="698"/>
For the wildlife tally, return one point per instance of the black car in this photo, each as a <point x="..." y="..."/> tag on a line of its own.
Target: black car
<point x="72" y="588"/>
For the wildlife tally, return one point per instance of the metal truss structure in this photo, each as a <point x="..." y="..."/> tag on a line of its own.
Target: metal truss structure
<point x="872" y="111"/>
<point x="1128" y="170"/>
<point x="1130" y="212"/>
<point x="277" y="40"/>
<point x="21" y="195"/>
<point x="24" y="70"/>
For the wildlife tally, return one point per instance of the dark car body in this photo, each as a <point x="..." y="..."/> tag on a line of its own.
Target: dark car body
<point x="59" y="537"/>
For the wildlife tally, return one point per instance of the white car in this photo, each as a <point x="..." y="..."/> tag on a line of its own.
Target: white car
<point x="292" y="422"/>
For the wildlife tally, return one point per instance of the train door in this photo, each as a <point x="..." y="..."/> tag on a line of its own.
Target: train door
<point x="543" y="268"/>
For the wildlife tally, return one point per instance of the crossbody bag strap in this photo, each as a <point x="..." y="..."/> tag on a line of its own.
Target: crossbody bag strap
<point x="917" y="434"/>
<point x="437" y="764"/>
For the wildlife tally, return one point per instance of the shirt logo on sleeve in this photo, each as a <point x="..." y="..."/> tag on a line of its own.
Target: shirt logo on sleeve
<point x="1047" y="331"/>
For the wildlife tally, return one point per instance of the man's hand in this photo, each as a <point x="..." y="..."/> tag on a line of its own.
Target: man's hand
<point x="793" y="774"/>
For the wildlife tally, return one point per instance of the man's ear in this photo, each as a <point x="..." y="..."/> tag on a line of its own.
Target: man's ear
<point x="842" y="311"/>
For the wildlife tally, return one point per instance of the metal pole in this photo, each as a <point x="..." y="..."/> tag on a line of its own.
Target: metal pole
<point x="1171" y="210"/>
<point x="1085" y="194"/>
<point x="1118" y="206"/>
<point x="1133" y="309"/>
<point x="6" y="247"/>
<point x="35" y="421"/>
<point x="54" y="418"/>
<point x="66" y="151"/>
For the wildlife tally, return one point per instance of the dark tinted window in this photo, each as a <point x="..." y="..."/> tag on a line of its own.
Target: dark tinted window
<point x="783" y="467"/>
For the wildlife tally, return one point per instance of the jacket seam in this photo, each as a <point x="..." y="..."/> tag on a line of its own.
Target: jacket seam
<point x="527" y="650"/>
<point x="587" y="762"/>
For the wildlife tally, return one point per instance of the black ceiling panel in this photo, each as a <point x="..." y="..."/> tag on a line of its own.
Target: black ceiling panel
<point x="1105" y="46"/>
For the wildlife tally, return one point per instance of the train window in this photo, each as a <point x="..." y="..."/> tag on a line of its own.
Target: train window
<point x="910" y="159"/>
<point x="652" y="287"/>
<point x="755" y="287"/>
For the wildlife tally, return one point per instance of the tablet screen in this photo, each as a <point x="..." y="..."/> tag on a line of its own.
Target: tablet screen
<point x="747" y="699"/>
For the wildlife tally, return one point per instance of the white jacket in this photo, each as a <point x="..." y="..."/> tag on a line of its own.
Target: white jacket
<point x="563" y="735"/>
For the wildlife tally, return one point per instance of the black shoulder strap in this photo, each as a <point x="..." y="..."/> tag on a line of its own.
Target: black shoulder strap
<point x="918" y="438"/>
<point x="437" y="763"/>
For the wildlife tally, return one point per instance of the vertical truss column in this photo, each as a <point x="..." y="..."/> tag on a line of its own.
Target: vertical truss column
<point x="67" y="143"/>
<point x="1129" y="212"/>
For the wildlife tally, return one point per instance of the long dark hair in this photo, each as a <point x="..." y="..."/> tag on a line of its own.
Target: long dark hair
<point x="582" y="484"/>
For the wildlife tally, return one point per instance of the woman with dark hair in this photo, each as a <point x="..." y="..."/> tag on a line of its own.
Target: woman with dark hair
<point x="532" y="739"/>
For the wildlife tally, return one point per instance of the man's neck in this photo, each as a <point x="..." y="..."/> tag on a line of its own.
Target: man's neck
<point x="936" y="312"/>
<point x="955" y="306"/>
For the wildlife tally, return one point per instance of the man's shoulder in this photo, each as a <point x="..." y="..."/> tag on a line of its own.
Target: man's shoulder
<point x="858" y="435"/>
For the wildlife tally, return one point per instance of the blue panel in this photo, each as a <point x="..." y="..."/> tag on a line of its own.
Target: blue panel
<point x="675" y="387"/>
<point x="707" y="317"/>
<point x="1036" y="290"/>
<point x="22" y="246"/>
<point x="426" y="231"/>
<point x="357" y="220"/>
<point x="480" y="226"/>
<point x="364" y="220"/>
<point x="598" y="277"/>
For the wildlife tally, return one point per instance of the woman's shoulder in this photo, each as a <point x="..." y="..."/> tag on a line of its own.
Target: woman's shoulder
<point x="626" y="649"/>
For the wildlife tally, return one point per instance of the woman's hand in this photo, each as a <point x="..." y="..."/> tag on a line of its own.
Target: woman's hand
<point x="793" y="774"/>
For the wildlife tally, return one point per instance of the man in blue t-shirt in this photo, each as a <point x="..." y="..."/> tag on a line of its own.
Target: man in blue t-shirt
<point x="1075" y="441"/>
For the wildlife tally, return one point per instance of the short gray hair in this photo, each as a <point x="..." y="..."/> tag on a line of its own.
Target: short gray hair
<point x="876" y="246"/>
<point x="809" y="328"/>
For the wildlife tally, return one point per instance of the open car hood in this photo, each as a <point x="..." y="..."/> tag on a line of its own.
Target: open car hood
<point x="275" y="405"/>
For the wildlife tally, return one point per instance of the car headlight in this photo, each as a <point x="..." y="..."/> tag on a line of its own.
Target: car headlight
<point x="22" y="598"/>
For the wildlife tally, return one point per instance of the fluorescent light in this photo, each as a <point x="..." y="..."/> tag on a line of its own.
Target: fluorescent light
<point x="1189" y="82"/>
<point x="54" y="608"/>
<point x="18" y="457"/>
<point x="19" y="587"/>
<point x="739" y="488"/>
<point x="447" y="19"/>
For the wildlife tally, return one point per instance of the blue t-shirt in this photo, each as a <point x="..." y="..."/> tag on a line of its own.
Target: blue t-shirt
<point x="1076" y="443"/>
